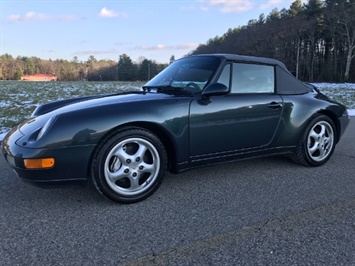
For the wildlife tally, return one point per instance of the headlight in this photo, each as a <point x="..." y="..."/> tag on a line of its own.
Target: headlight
<point x="46" y="126"/>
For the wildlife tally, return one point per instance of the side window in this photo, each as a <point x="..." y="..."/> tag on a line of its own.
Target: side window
<point x="224" y="78"/>
<point x="253" y="78"/>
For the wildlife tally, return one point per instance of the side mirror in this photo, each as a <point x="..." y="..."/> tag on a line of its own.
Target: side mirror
<point x="215" y="89"/>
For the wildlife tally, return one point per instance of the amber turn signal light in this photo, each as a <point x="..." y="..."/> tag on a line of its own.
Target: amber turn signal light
<point x="39" y="163"/>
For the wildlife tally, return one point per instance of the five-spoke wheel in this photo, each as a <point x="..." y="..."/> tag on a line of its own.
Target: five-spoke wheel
<point x="317" y="143"/>
<point x="129" y="165"/>
<point x="320" y="141"/>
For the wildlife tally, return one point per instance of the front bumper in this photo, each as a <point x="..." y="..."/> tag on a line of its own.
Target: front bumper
<point x="71" y="162"/>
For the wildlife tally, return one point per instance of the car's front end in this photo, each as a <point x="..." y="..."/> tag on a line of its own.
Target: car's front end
<point x="42" y="165"/>
<point x="56" y="145"/>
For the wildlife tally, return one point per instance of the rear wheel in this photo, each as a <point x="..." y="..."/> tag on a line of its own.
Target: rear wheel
<point x="317" y="143"/>
<point x="129" y="165"/>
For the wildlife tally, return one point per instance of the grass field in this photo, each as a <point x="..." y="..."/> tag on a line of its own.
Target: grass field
<point x="18" y="99"/>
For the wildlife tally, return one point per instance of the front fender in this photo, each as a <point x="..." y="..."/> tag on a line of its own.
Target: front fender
<point x="87" y="127"/>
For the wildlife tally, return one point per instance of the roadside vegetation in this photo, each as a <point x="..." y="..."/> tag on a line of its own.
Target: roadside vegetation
<point x="90" y="70"/>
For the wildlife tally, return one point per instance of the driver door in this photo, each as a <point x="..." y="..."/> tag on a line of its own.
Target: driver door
<point x="246" y="119"/>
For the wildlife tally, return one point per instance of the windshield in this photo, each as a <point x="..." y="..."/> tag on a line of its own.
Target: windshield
<point x="191" y="74"/>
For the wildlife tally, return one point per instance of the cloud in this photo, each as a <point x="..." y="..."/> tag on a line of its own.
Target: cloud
<point x="96" y="52"/>
<point x="186" y="46"/>
<point x="32" y="16"/>
<point x="67" y="17"/>
<point x="270" y="3"/>
<point x="228" y="6"/>
<point x="167" y="47"/>
<point x="105" y="13"/>
<point x="28" y="16"/>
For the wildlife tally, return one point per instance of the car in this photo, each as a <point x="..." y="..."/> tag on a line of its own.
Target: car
<point x="200" y="110"/>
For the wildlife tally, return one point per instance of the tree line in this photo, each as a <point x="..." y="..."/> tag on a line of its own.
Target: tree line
<point x="316" y="41"/>
<point x="92" y="69"/>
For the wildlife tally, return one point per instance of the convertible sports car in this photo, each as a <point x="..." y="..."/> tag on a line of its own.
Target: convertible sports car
<point x="200" y="110"/>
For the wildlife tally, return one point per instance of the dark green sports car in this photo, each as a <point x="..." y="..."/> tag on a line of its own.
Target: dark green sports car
<point x="200" y="110"/>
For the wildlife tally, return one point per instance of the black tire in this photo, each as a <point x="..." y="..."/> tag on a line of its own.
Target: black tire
<point x="129" y="165"/>
<point x="317" y="143"/>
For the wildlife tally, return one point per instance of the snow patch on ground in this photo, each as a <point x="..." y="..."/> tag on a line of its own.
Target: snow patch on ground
<point x="334" y="85"/>
<point x="2" y="135"/>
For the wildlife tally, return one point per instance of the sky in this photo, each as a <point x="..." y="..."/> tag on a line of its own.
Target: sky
<point x="151" y="29"/>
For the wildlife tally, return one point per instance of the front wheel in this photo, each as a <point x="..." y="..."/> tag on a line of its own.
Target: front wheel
<point x="317" y="143"/>
<point x="129" y="165"/>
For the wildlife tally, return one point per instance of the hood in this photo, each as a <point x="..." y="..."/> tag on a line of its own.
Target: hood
<point x="51" y="110"/>
<point x="73" y="104"/>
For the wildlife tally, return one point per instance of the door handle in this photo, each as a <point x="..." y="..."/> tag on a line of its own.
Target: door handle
<point x="275" y="105"/>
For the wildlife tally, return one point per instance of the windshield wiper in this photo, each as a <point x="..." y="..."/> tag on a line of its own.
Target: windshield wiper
<point x="166" y="89"/>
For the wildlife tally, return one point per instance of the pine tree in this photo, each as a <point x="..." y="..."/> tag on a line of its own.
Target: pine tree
<point x="296" y="8"/>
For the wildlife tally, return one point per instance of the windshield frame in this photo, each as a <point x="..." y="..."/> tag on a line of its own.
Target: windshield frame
<point x="201" y="70"/>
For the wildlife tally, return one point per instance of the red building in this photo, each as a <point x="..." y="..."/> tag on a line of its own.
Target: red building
<point x="40" y="77"/>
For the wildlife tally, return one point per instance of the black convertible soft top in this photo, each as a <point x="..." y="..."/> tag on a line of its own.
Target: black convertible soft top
<point x="286" y="83"/>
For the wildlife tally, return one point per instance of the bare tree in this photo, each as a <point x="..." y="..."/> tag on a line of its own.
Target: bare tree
<point x="341" y="13"/>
